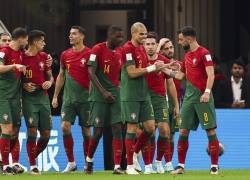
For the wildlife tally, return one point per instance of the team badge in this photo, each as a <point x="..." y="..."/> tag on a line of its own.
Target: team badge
<point x="97" y="120"/>
<point x="31" y="120"/>
<point x="41" y="65"/>
<point x="133" y="116"/>
<point x="5" y="117"/>
<point x="194" y="61"/>
<point x="63" y="115"/>
<point x="83" y="62"/>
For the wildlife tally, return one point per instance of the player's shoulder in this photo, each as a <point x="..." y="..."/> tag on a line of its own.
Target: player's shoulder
<point x="5" y="50"/>
<point x="43" y="55"/>
<point x="66" y="52"/>
<point x="99" y="46"/>
<point x="128" y="46"/>
<point x="203" y="51"/>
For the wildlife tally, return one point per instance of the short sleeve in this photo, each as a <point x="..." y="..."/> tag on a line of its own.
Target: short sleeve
<point x="94" y="56"/>
<point x="128" y="55"/>
<point x="62" y="61"/>
<point x="2" y="57"/>
<point x="207" y="58"/>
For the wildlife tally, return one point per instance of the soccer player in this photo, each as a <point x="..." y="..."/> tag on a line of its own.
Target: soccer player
<point x="198" y="105"/>
<point x="36" y="106"/>
<point x="74" y="76"/>
<point x="10" y="94"/>
<point x="166" y="48"/>
<point x="104" y="72"/>
<point x="157" y="83"/>
<point x="135" y="100"/>
<point x="4" y="39"/>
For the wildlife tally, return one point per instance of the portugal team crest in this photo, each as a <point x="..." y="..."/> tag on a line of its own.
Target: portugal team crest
<point x="83" y="61"/>
<point x="41" y="65"/>
<point x="31" y="120"/>
<point x="133" y="115"/>
<point x="5" y="117"/>
<point x="194" y="61"/>
<point x="97" y="120"/>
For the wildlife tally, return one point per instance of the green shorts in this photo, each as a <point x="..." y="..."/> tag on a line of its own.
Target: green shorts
<point x="37" y="115"/>
<point x="71" y="110"/>
<point x="137" y="111"/>
<point x="194" y="113"/>
<point x="160" y="108"/>
<point x="104" y="114"/>
<point x="10" y="112"/>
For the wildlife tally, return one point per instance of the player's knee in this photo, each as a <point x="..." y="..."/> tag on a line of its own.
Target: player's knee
<point x="65" y="127"/>
<point x="45" y="134"/>
<point x="210" y="132"/>
<point x="150" y="129"/>
<point x="32" y="132"/>
<point x="184" y="132"/>
<point x="131" y="128"/>
<point x="86" y="132"/>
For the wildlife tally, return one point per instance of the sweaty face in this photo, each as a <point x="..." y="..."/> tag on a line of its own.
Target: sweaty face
<point x="40" y="44"/>
<point x="150" y="46"/>
<point x="116" y="38"/>
<point x="140" y="35"/>
<point x="75" y="37"/>
<point x="183" y="41"/>
<point x="168" y="50"/>
<point x="5" y="40"/>
<point x="237" y="71"/>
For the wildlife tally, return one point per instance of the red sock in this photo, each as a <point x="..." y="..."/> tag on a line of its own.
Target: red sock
<point x="15" y="149"/>
<point x="68" y="146"/>
<point x="214" y="151"/>
<point x="5" y="148"/>
<point x="182" y="149"/>
<point x="31" y="150"/>
<point x="168" y="157"/>
<point x="152" y="149"/>
<point x="161" y="147"/>
<point x="142" y="139"/>
<point x="146" y="153"/>
<point x="41" y="145"/>
<point x="129" y="143"/>
<point x="92" y="147"/>
<point x="85" y="146"/>
<point x="117" y="150"/>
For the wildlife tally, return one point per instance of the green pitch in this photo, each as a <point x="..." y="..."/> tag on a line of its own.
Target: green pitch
<point x="107" y="175"/>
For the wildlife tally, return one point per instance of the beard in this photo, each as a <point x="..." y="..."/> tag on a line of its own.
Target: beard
<point x="170" y="56"/>
<point x="186" y="48"/>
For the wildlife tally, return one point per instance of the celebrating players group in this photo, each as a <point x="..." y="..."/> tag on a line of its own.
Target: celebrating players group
<point x="107" y="85"/>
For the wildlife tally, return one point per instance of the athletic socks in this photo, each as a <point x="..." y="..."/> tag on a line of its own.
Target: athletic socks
<point x="68" y="146"/>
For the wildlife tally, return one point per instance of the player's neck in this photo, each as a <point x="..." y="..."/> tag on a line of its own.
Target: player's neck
<point x="31" y="51"/>
<point x="153" y="57"/>
<point x="136" y="44"/>
<point x="110" y="45"/>
<point x="194" y="46"/>
<point x="78" y="47"/>
<point x="14" y="45"/>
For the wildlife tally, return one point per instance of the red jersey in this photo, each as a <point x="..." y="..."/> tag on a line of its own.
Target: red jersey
<point x="156" y="80"/>
<point x="35" y="68"/>
<point x="76" y="65"/>
<point x="195" y="67"/>
<point x="138" y="54"/>
<point x="11" y="56"/>
<point x="108" y="61"/>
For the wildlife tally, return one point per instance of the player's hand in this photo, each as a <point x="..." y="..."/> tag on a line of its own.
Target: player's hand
<point x="54" y="102"/>
<point x="49" y="61"/>
<point x="46" y="85"/>
<point x="205" y="97"/>
<point x="159" y="65"/>
<point x="174" y="65"/>
<point x="29" y="87"/>
<point x="20" y="68"/>
<point x="177" y="120"/>
<point x="108" y="96"/>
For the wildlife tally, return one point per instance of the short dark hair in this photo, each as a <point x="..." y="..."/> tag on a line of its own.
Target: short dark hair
<point x="152" y="34"/>
<point x="35" y="35"/>
<point x="19" y="32"/>
<point x="239" y="62"/>
<point x="187" y="31"/>
<point x="113" y="29"/>
<point x="80" y="29"/>
<point x="4" y="34"/>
